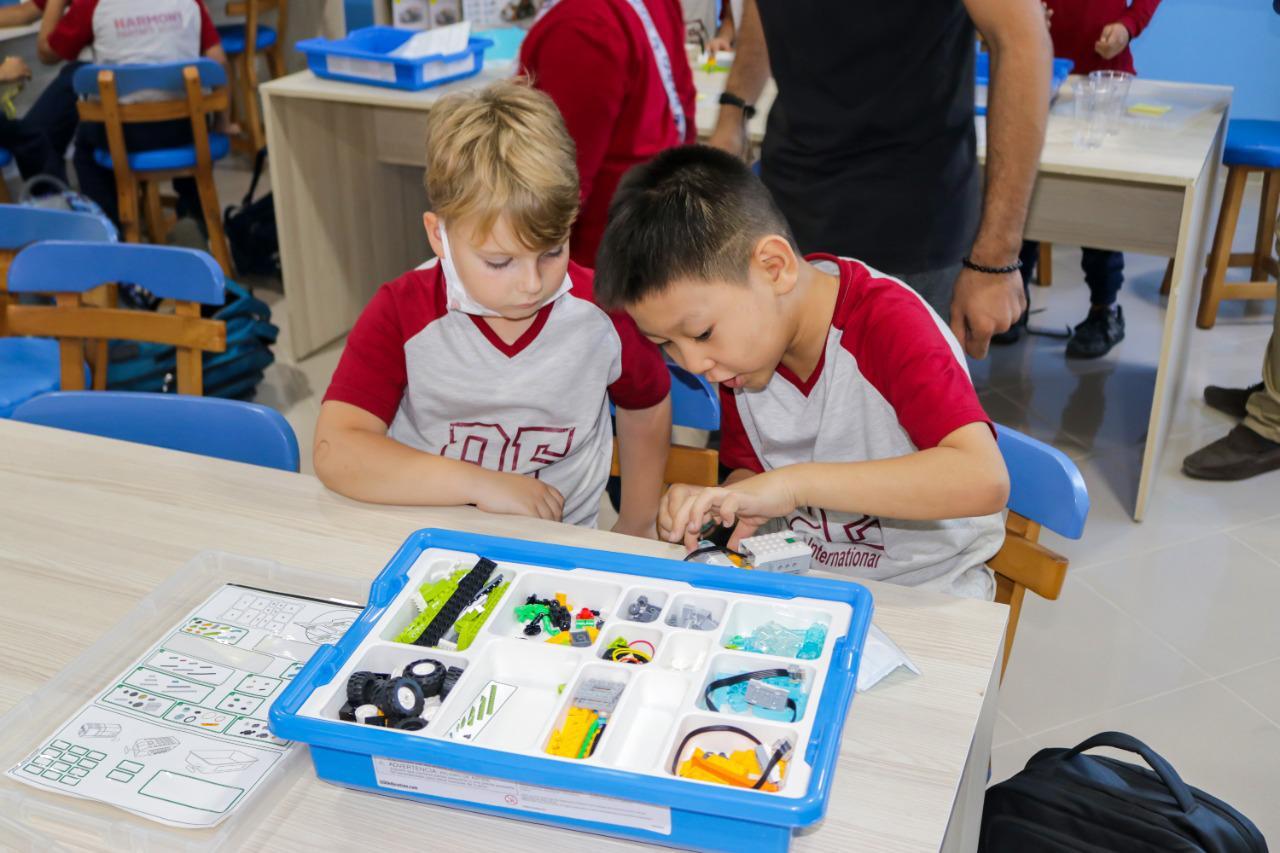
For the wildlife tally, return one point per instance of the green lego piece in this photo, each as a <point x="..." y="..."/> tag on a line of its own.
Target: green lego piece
<point x="529" y="612"/>
<point x="468" y="625"/>
<point x="436" y="594"/>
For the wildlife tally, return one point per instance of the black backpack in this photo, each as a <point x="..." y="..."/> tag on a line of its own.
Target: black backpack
<point x="1065" y="802"/>
<point x="251" y="229"/>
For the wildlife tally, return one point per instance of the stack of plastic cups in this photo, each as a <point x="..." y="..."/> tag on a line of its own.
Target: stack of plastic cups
<point x="1112" y="91"/>
<point x="1091" y="118"/>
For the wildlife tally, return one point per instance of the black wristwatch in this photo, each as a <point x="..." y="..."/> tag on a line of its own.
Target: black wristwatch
<point x="734" y="101"/>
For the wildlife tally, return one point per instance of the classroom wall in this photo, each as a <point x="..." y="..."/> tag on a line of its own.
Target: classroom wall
<point x="1232" y="42"/>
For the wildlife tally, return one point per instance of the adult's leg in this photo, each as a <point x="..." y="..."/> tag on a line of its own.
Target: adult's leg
<point x="54" y="114"/>
<point x="936" y="286"/>
<point x="1262" y="412"/>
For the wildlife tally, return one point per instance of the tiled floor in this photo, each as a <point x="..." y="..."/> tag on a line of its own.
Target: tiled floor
<point x="1166" y="629"/>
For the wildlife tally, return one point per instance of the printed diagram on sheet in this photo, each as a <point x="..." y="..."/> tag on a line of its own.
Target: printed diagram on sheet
<point x="180" y="735"/>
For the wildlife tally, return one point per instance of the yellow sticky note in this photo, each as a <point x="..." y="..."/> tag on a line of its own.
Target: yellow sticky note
<point x="1149" y="109"/>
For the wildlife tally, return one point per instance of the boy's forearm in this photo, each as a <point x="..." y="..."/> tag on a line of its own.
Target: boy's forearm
<point x="19" y="15"/>
<point x="378" y="469"/>
<point x="929" y="485"/>
<point x="644" y="437"/>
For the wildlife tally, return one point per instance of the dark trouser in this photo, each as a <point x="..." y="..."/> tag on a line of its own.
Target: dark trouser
<point x="54" y="115"/>
<point x="30" y="148"/>
<point x="1103" y="271"/>
<point x="99" y="184"/>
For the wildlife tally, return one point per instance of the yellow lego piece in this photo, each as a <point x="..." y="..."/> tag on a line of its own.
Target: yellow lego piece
<point x="740" y="769"/>
<point x="565" y="638"/>
<point x="567" y="740"/>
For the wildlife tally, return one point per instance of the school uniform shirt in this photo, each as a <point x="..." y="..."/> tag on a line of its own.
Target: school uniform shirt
<point x="1076" y="26"/>
<point x="594" y="59"/>
<point x="120" y="32"/>
<point x="445" y="383"/>
<point x="891" y="381"/>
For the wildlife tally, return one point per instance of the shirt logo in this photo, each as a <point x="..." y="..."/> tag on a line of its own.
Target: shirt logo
<point x="863" y="532"/>
<point x="492" y="446"/>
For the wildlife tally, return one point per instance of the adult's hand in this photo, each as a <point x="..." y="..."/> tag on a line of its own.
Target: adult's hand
<point x="984" y="305"/>
<point x="747" y="77"/>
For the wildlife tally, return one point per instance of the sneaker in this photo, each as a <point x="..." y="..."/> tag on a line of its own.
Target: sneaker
<point x="1100" y="331"/>
<point x="1240" y="454"/>
<point x="1230" y="401"/>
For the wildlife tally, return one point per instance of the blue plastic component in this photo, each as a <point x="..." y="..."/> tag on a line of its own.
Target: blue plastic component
<point x="161" y="76"/>
<point x="364" y="57"/>
<point x="21" y="225"/>
<point x="1044" y="484"/>
<point x="28" y="367"/>
<point x="357" y="14"/>
<point x="58" y="266"/>
<point x="232" y="36"/>
<point x="209" y="426"/>
<point x="5" y="157"/>
<point x="703" y="817"/>
<point x="982" y="73"/>
<point x="159" y="159"/>
<point x="1253" y="142"/>
<point x="694" y="403"/>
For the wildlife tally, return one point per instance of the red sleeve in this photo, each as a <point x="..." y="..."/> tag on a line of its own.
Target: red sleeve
<point x="372" y="373"/>
<point x="735" y="448"/>
<point x="74" y="32"/>
<point x="1139" y="15"/>
<point x="208" y="32"/>
<point x="582" y="63"/>
<point x="645" y="380"/>
<point x="903" y="351"/>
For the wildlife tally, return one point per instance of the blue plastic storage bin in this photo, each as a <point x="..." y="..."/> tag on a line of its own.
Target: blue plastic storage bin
<point x="982" y="71"/>
<point x="636" y="798"/>
<point x="364" y="56"/>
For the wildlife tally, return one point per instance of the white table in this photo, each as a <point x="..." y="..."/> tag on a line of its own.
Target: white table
<point x="89" y="526"/>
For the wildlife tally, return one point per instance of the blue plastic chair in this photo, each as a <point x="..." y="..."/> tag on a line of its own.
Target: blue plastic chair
<point x="694" y="403"/>
<point x="1045" y="490"/>
<point x="69" y="269"/>
<point x="101" y="88"/>
<point x="30" y="366"/>
<point x="1253" y="145"/>
<point x="243" y="44"/>
<point x="209" y="426"/>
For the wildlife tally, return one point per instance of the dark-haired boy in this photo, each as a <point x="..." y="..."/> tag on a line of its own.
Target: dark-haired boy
<point x="847" y="406"/>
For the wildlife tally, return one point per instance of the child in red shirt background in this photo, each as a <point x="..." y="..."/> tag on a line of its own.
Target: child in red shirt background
<point x="1095" y="35"/>
<point x="618" y="91"/>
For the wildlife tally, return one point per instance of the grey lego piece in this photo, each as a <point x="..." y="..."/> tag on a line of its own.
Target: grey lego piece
<point x="599" y="695"/>
<point x="767" y="696"/>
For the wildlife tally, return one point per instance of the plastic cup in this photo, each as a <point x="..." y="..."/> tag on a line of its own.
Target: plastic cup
<point x="1113" y="91"/>
<point x="1091" y="117"/>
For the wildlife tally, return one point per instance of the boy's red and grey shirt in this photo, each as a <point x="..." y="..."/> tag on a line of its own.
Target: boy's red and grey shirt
<point x="122" y="32"/>
<point x="892" y="380"/>
<point x="445" y="383"/>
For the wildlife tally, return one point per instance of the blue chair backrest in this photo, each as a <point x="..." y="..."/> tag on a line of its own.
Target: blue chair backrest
<point x="1044" y="484"/>
<point x="161" y="76"/>
<point x="58" y="266"/>
<point x="694" y="403"/>
<point x="209" y="426"/>
<point x="21" y="225"/>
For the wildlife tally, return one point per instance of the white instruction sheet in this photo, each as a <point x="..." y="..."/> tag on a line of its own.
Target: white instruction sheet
<point x="180" y="735"/>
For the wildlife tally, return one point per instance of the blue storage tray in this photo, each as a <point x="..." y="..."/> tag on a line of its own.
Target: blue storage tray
<point x="647" y="805"/>
<point x="982" y="71"/>
<point x="364" y="56"/>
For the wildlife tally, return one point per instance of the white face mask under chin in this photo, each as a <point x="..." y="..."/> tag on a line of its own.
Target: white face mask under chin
<point x="456" y="296"/>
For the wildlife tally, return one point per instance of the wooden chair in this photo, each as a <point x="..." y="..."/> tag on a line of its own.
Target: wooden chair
<point x="696" y="466"/>
<point x="244" y="43"/>
<point x="29" y="366"/>
<point x="223" y="429"/>
<point x="138" y="175"/>
<point x="1046" y="490"/>
<point x="70" y="269"/>
<point x="1252" y="146"/>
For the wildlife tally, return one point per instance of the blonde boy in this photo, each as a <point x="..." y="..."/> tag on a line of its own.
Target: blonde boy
<point x="484" y="376"/>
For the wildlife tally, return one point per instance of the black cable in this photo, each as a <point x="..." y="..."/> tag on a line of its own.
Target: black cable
<point x="675" y="759"/>
<point x="748" y="676"/>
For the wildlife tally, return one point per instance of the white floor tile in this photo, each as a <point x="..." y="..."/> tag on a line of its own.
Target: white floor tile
<point x="1005" y="731"/>
<point x="1213" y="739"/>
<point x="1079" y="654"/>
<point x="1263" y="537"/>
<point x="1259" y="686"/>
<point x="1213" y="599"/>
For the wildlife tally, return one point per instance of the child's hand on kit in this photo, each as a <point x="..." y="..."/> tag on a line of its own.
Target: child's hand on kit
<point x="749" y="503"/>
<point x="1114" y="38"/>
<point x="516" y="494"/>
